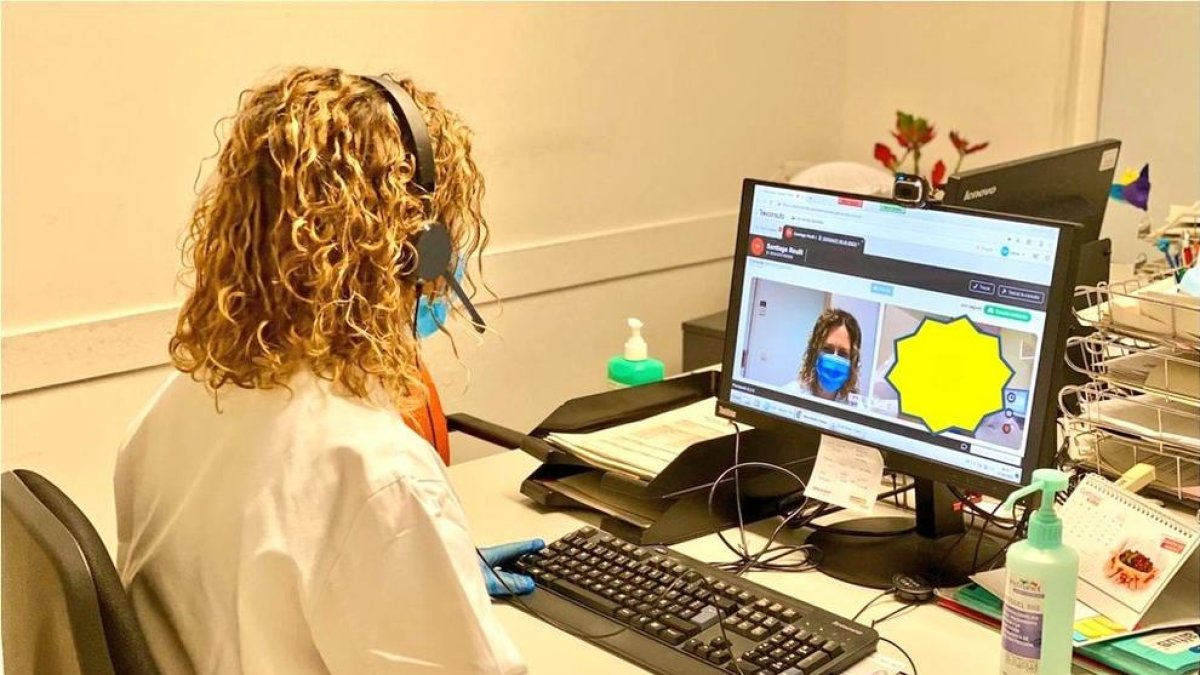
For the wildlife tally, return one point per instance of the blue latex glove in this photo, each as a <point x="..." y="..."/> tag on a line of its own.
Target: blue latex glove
<point x="492" y="557"/>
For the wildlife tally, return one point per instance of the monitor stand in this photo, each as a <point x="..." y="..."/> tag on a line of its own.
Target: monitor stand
<point x="939" y="549"/>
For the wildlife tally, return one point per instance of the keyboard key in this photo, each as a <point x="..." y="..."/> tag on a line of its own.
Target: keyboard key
<point x="789" y="615"/>
<point x="832" y="648"/>
<point x="718" y="656"/>
<point x="671" y="636"/>
<point x="625" y="615"/>
<point x="703" y="651"/>
<point x="814" y="661"/>
<point x="706" y="617"/>
<point x="691" y="645"/>
<point x="758" y="633"/>
<point x="683" y="626"/>
<point x="655" y="627"/>
<point x="641" y="622"/>
<point x="583" y="596"/>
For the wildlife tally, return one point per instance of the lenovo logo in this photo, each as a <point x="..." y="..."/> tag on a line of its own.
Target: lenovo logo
<point x="976" y="194"/>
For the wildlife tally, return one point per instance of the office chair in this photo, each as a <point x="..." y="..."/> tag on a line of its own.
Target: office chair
<point x="64" y="608"/>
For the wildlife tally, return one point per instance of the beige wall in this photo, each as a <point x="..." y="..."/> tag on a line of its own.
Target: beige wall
<point x="588" y="117"/>
<point x="1151" y="101"/>
<point x="1008" y="73"/>
<point x="614" y="138"/>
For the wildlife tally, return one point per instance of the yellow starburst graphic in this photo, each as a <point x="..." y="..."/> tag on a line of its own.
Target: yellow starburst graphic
<point x="949" y="374"/>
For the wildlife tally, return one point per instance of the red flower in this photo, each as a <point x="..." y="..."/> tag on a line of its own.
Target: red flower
<point x="963" y="146"/>
<point x="912" y="132"/>
<point x="938" y="177"/>
<point x="884" y="154"/>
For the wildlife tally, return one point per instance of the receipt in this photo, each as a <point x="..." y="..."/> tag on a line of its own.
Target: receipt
<point x="846" y="474"/>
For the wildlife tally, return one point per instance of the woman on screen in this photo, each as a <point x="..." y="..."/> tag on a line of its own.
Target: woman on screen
<point x="830" y="367"/>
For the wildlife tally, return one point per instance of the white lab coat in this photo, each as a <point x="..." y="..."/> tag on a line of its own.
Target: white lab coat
<point x="297" y="532"/>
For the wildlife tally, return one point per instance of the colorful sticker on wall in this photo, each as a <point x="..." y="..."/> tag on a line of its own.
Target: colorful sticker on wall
<point x="1133" y="188"/>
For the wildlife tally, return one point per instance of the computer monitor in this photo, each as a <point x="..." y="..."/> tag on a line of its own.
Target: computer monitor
<point x="1071" y="185"/>
<point x="930" y="334"/>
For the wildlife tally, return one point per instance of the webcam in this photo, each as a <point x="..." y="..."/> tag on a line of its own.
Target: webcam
<point x="911" y="190"/>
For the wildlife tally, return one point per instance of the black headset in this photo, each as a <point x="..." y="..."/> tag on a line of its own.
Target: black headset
<point x="435" y="250"/>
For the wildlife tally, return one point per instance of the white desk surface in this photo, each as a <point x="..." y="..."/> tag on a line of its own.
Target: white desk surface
<point x="937" y="639"/>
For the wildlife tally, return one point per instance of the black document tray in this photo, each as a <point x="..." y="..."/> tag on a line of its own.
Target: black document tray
<point x="673" y="506"/>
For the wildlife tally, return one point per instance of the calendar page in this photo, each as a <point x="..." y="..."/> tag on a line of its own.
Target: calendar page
<point x="1129" y="549"/>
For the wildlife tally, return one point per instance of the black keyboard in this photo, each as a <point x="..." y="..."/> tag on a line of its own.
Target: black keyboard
<point x="675" y="615"/>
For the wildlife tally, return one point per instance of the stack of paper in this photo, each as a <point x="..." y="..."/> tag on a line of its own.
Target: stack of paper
<point x="644" y="448"/>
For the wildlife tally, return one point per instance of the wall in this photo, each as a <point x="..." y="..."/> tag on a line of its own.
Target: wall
<point x="1023" y="76"/>
<point x="1151" y="101"/>
<point x="612" y="132"/>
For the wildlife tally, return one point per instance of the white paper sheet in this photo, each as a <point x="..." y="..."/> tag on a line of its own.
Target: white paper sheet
<point x="644" y="448"/>
<point x="846" y="474"/>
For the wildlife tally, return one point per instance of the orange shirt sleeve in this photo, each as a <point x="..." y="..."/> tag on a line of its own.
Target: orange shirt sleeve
<point x="430" y="421"/>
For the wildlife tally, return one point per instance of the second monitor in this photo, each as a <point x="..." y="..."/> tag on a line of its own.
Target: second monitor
<point x="931" y="334"/>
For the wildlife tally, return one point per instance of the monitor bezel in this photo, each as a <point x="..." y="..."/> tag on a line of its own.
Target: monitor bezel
<point x="1042" y="445"/>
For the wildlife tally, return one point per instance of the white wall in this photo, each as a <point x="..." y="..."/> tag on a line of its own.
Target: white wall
<point x="1009" y="73"/>
<point x="614" y="138"/>
<point x="1151" y="101"/>
<point x="588" y="118"/>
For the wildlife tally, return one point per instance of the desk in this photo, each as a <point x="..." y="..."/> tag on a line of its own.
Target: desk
<point x="938" y="640"/>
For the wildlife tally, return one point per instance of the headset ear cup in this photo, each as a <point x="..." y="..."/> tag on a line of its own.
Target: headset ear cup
<point x="434" y="250"/>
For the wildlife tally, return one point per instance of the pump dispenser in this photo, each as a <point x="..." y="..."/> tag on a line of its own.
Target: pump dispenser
<point x="634" y="366"/>
<point x="1039" y="597"/>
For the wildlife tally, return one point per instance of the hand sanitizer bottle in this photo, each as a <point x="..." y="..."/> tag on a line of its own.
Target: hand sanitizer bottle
<point x="1039" y="597"/>
<point x="635" y="366"/>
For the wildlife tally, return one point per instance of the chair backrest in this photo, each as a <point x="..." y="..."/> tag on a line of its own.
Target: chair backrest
<point x="124" y="645"/>
<point x="51" y="618"/>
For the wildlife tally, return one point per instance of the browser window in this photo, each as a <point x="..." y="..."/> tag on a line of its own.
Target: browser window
<point x="861" y="318"/>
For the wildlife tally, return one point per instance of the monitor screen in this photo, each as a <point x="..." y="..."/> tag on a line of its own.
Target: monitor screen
<point x="928" y="333"/>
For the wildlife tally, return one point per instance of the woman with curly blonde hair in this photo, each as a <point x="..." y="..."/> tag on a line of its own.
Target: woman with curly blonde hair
<point x="280" y="505"/>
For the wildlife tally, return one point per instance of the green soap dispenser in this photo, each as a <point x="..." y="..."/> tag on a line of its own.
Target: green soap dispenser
<point x="1039" y="592"/>
<point x="634" y="366"/>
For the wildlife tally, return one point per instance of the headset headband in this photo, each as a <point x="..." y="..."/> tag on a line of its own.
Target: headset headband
<point x="412" y="128"/>
<point x="433" y="244"/>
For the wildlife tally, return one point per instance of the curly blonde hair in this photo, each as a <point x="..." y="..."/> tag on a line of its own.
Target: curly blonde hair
<point x="301" y="239"/>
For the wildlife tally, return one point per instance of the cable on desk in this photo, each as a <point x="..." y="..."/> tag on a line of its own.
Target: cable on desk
<point x="895" y="612"/>
<point x="992" y="518"/>
<point x="744" y="560"/>
<point x="870" y="602"/>
<point x="906" y="656"/>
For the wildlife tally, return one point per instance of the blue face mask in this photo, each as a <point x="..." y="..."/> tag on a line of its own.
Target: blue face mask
<point x="431" y="315"/>
<point x="832" y="371"/>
